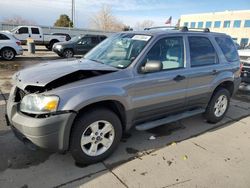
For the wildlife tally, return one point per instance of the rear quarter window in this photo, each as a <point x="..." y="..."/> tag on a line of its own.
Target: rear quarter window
<point x="228" y="48"/>
<point x="3" y="37"/>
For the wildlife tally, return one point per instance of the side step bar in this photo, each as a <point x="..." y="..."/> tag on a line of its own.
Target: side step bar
<point x="168" y="119"/>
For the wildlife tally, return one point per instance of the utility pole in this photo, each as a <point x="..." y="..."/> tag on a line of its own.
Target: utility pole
<point x="73" y="12"/>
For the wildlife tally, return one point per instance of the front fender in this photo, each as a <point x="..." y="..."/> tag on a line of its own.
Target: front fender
<point x="85" y="97"/>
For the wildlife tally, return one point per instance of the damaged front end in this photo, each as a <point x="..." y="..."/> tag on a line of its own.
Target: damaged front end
<point x="28" y="107"/>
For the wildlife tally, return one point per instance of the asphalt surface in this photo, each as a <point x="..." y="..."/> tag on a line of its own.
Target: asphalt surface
<point x="187" y="153"/>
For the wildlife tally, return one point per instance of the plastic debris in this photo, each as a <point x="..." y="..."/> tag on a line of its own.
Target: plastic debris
<point x="152" y="138"/>
<point x="173" y="143"/>
<point x="185" y="157"/>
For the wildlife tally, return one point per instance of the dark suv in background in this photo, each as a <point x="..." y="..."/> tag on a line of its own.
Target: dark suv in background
<point x="78" y="45"/>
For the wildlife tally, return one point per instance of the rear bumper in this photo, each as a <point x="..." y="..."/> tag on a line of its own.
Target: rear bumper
<point x="19" y="51"/>
<point x="237" y="82"/>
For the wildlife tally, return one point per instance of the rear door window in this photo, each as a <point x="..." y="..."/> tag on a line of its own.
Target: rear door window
<point x="35" y="30"/>
<point x="228" y="48"/>
<point x="202" y="51"/>
<point x="23" y="30"/>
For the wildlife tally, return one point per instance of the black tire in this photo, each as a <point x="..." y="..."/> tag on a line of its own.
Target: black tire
<point x="8" y="54"/>
<point x="210" y="113"/>
<point x="51" y="44"/>
<point x="47" y="46"/>
<point x="68" y="53"/>
<point x="82" y="124"/>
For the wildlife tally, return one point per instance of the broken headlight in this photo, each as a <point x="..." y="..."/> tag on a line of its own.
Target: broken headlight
<point x="39" y="104"/>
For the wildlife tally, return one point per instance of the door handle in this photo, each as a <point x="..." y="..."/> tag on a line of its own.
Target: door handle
<point x="179" y="78"/>
<point x="40" y="36"/>
<point x="29" y="35"/>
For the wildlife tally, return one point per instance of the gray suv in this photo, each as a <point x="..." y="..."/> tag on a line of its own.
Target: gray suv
<point x="132" y="79"/>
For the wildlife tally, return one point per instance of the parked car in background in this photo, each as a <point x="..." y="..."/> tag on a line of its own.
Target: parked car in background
<point x="78" y="45"/>
<point x="245" y="60"/>
<point x="9" y="46"/>
<point x="36" y="33"/>
<point x="132" y="79"/>
<point x="68" y="37"/>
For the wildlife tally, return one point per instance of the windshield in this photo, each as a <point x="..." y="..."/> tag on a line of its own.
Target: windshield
<point x="14" y="29"/>
<point x="119" y="50"/>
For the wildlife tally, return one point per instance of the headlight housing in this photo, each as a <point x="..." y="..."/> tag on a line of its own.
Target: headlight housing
<point x="58" y="46"/>
<point x="39" y="104"/>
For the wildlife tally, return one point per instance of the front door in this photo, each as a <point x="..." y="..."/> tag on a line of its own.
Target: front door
<point x="83" y="46"/>
<point x="22" y="34"/>
<point x="162" y="93"/>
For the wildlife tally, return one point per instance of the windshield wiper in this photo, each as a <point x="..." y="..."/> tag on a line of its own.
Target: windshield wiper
<point x="96" y="61"/>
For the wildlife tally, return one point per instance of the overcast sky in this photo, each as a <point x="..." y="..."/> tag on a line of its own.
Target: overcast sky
<point x="45" y="12"/>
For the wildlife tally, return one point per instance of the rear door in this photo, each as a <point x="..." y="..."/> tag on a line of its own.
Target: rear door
<point x="160" y="93"/>
<point x="36" y="35"/>
<point x="203" y="69"/>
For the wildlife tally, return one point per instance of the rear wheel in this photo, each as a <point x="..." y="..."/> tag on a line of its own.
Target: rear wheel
<point x="95" y="136"/>
<point x="218" y="106"/>
<point x="8" y="54"/>
<point x="49" y="47"/>
<point x="68" y="53"/>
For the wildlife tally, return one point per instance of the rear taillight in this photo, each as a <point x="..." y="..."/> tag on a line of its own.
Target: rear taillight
<point x="18" y="43"/>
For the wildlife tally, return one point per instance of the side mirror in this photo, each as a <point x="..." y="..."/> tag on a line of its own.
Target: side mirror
<point x="17" y="32"/>
<point x="152" y="66"/>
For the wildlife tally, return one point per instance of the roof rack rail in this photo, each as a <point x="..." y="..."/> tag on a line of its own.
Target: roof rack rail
<point x="161" y="27"/>
<point x="184" y="28"/>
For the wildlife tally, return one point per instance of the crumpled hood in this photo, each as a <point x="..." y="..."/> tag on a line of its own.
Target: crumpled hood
<point x="44" y="73"/>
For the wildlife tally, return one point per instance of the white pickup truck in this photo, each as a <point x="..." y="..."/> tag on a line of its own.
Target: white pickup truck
<point x="36" y="33"/>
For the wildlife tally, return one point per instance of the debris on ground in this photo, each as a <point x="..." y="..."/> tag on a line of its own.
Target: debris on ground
<point x="185" y="157"/>
<point x="152" y="137"/>
<point x="169" y="163"/>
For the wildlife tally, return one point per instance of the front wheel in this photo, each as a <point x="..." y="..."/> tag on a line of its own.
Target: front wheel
<point x="95" y="136"/>
<point x="68" y="53"/>
<point x="218" y="106"/>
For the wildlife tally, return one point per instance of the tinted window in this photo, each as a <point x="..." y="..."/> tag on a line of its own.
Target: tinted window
<point x="208" y="24"/>
<point x="200" y="24"/>
<point x="3" y="37"/>
<point x="201" y="51"/>
<point x="95" y="40"/>
<point x="217" y="24"/>
<point x="103" y="38"/>
<point x="23" y="30"/>
<point x="226" y="24"/>
<point x="247" y="23"/>
<point x="186" y="24"/>
<point x="85" y="40"/>
<point x="169" y="51"/>
<point x="192" y="25"/>
<point x="35" y="30"/>
<point x="228" y="48"/>
<point x="237" y="23"/>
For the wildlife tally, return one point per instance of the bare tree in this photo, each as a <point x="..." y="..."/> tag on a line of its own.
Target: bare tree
<point x="18" y="20"/>
<point x="144" y="24"/>
<point x="105" y="20"/>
